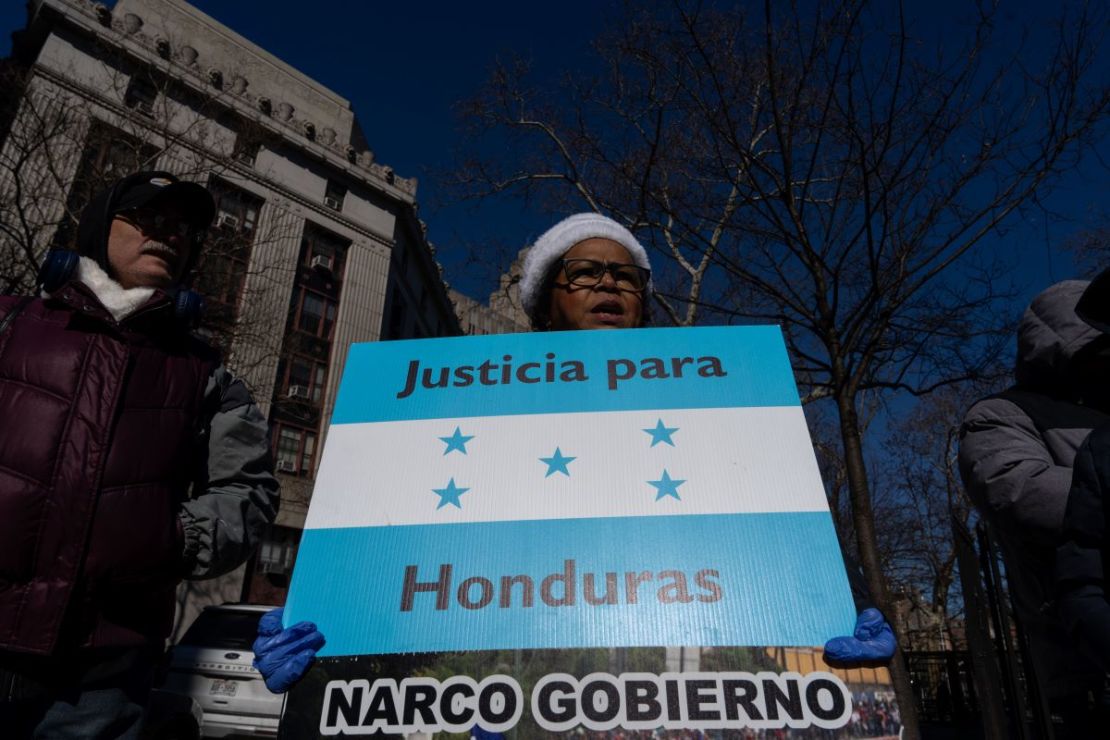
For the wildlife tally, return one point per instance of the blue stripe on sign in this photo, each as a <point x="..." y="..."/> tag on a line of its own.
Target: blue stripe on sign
<point x="623" y="370"/>
<point x="781" y="580"/>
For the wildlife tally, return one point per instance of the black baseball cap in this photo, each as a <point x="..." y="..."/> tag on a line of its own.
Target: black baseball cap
<point x="147" y="188"/>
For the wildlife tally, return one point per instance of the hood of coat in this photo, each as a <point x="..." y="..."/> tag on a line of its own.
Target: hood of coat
<point x="92" y="229"/>
<point x="1094" y="306"/>
<point x="1050" y="335"/>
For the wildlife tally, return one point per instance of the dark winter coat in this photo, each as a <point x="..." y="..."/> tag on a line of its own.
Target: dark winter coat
<point x="1016" y="454"/>
<point x="128" y="459"/>
<point x="1082" y="559"/>
<point x="1084" y="553"/>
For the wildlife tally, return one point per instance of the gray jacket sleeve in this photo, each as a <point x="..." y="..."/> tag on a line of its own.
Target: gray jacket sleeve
<point x="235" y="494"/>
<point x="1008" y="469"/>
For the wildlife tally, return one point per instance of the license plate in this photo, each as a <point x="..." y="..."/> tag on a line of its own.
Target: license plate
<point x="223" y="687"/>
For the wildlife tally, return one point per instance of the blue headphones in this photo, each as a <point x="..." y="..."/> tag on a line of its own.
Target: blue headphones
<point x="60" y="265"/>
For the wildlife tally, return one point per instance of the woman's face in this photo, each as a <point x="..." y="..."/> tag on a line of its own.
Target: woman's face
<point x="602" y="306"/>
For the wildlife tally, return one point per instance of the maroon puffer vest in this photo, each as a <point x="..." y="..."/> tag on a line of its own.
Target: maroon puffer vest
<point x="98" y="429"/>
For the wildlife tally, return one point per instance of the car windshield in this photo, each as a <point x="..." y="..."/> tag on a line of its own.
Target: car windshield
<point x="223" y="629"/>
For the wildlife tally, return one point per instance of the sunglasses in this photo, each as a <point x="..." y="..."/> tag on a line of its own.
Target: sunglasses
<point x="152" y="222"/>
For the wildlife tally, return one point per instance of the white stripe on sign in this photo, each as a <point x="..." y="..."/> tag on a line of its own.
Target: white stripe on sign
<point x="559" y="466"/>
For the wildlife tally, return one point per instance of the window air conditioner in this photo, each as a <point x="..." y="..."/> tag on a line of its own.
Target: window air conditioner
<point x="228" y="221"/>
<point x="286" y="466"/>
<point x="145" y="107"/>
<point x="270" y="566"/>
<point x="320" y="262"/>
<point x="298" y="391"/>
<point x="332" y="203"/>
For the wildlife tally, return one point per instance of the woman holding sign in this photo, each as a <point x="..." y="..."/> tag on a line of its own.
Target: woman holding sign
<point x="586" y="272"/>
<point x="589" y="272"/>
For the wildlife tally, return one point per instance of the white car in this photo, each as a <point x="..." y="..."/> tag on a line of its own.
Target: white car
<point x="212" y="665"/>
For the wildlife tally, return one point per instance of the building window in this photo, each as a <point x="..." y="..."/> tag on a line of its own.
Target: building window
<point x="323" y="251"/>
<point x="304" y="379"/>
<point x="141" y="96"/>
<point x="303" y="368"/>
<point x="315" y="300"/>
<point x="222" y="269"/>
<point x="236" y="210"/>
<point x="294" y="449"/>
<point x="245" y="151"/>
<point x="334" y="195"/>
<point x="320" y="254"/>
<point x="278" y="551"/>
<point x="315" y="313"/>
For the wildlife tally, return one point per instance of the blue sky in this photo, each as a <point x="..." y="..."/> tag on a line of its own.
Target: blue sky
<point x="405" y="65"/>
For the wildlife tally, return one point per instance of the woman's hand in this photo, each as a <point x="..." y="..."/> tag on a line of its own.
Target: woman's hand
<point x="872" y="641"/>
<point x="283" y="655"/>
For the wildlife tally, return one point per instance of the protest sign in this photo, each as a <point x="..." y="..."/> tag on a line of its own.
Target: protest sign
<point x="543" y="532"/>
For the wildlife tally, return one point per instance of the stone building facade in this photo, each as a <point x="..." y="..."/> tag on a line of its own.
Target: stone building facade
<point x="503" y="313"/>
<point x="316" y="245"/>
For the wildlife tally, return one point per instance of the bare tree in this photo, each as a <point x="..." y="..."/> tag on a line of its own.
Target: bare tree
<point x="1091" y="248"/>
<point x="817" y="165"/>
<point x="927" y="499"/>
<point x="40" y="134"/>
<point x="61" y="142"/>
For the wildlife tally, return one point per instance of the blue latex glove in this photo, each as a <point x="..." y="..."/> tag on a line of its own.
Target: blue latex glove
<point x="873" y="641"/>
<point x="282" y="655"/>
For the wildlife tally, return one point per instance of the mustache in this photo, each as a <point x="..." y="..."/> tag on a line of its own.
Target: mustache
<point x="157" y="245"/>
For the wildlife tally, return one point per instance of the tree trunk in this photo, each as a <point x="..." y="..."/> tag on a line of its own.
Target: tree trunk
<point x="864" y="519"/>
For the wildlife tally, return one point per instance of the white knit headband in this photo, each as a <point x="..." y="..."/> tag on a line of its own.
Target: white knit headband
<point x="557" y="241"/>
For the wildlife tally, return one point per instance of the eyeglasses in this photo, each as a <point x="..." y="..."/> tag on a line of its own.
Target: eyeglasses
<point x="152" y="222"/>
<point x="585" y="273"/>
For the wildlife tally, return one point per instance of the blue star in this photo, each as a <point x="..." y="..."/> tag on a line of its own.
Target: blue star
<point x="449" y="495"/>
<point x="557" y="463"/>
<point x="660" y="433"/>
<point x="456" y="441"/>
<point x="666" y="486"/>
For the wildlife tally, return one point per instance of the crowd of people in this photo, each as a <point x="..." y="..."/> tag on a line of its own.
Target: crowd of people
<point x="873" y="718"/>
<point x="131" y="458"/>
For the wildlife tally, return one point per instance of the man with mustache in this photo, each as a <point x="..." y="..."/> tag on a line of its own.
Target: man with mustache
<point x="130" y="458"/>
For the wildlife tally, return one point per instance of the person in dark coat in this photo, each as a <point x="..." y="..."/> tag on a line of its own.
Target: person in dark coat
<point x="1017" y="450"/>
<point x="1082" y="557"/>
<point x="130" y="458"/>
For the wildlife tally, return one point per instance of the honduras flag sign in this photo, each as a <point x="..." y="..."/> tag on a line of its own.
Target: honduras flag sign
<point x="570" y="490"/>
